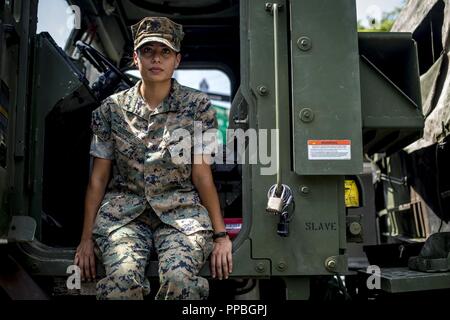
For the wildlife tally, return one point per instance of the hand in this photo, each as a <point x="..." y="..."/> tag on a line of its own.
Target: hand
<point x="85" y="259"/>
<point x="221" y="258"/>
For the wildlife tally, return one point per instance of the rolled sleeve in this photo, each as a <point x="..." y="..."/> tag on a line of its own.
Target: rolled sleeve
<point x="102" y="144"/>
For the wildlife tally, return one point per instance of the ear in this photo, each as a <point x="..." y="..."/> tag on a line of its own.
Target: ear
<point x="178" y="60"/>
<point x="136" y="59"/>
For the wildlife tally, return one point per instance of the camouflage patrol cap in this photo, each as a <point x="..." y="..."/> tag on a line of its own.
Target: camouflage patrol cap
<point x="160" y="29"/>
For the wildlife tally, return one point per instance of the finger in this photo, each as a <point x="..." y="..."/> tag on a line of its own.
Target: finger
<point x="213" y="265"/>
<point x="81" y="265"/>
<point x="92" y="262"/>
<point x="87" y="268"/>
<point x="76" y="260"/>
<point x="219" y="267"/>
<point x="225" y="266"/>
<point x="230" y="262"/>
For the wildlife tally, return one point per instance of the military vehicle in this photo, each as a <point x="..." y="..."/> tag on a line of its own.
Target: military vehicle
<point x="346" y="105"/>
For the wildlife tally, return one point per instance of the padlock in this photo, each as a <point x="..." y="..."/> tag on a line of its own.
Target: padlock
<point x="275" y="204"/>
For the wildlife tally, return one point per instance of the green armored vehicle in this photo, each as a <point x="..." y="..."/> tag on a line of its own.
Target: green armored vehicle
<point x="344" y="105"/>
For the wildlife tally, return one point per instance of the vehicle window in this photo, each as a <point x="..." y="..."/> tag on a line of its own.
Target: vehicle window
<point x="58" y="19"/>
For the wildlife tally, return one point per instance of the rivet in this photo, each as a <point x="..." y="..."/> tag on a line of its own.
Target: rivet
<point x="305" y="190"/>
<point x="282" y="266"/>
<point x="260" y="267"/>
<point x="263" y="91"/>
<point x="304" y="43"/>
<point x="331" y="264"/>
<point x="269" y="6"/>
<point x="307" y="115"/>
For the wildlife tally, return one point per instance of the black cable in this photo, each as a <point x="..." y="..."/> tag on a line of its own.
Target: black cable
<point x="344" y="291"/>
<point x="241" y="290"/>
<point x="292" y="215"/>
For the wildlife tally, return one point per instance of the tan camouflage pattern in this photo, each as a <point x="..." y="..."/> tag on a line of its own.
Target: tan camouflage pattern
<point x="180" y="259"/>
<point x="157" y="29"/>
<point x="145" y="174"/>
<point x="125" y="254"/>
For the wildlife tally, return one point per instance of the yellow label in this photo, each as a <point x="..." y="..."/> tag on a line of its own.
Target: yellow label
<point x="351" y="194"/>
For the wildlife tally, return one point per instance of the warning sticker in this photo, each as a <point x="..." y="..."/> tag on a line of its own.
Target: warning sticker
<point x="329" y="150"/>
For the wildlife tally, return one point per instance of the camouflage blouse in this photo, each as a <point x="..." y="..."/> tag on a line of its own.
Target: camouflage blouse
<point x="141" y="143"/>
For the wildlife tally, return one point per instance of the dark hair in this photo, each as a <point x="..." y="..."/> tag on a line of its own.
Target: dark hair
<point x="131" y="62"/>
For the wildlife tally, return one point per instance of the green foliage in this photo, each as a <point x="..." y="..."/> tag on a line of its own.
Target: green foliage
<point x="386" y="23"/>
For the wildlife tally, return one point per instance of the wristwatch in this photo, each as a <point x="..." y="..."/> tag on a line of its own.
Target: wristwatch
<point x="219" y="235"/>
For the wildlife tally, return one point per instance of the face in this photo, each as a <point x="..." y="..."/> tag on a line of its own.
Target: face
<point x="156" y="62"/>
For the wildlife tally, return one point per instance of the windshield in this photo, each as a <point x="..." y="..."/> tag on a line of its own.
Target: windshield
<point x="58" y="19"/>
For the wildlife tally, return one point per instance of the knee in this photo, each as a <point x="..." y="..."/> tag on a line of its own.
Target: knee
<point x="175" y="277"/>
<point x="128" y="272"/>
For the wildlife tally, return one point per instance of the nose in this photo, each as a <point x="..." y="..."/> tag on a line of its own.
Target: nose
<point x="156" y="57"/>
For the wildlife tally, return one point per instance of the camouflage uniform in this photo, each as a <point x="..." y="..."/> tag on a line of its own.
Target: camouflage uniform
<point x="151" y="196"/>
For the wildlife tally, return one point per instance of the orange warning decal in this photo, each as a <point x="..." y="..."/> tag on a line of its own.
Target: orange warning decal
<point x="329" y="142"/>
<point x="329" y="149"/>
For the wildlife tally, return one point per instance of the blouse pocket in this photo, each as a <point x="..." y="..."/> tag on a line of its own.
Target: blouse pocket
<point x="131" y="149"/>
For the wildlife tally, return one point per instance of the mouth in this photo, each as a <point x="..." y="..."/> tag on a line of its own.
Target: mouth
<point x="155" y="69"/>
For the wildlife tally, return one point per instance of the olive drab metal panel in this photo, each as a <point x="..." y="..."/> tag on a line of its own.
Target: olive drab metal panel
<point x="17" y="26"/>
<point x="326" y="105"/>
<point x="316" y="238"/>
<point x="59" y="90"/>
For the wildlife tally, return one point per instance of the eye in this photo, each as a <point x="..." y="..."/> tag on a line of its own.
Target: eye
<point x="146" y="50"/>
<point x="166" y="51"/>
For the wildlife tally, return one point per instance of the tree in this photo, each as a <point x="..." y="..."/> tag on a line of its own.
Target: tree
<point x="384" y="25"/>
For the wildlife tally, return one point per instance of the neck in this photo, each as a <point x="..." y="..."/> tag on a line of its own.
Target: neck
<point x="155" y="92"/>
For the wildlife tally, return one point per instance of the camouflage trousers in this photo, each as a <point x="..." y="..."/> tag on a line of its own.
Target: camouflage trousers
<point x="125" y="254"/>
